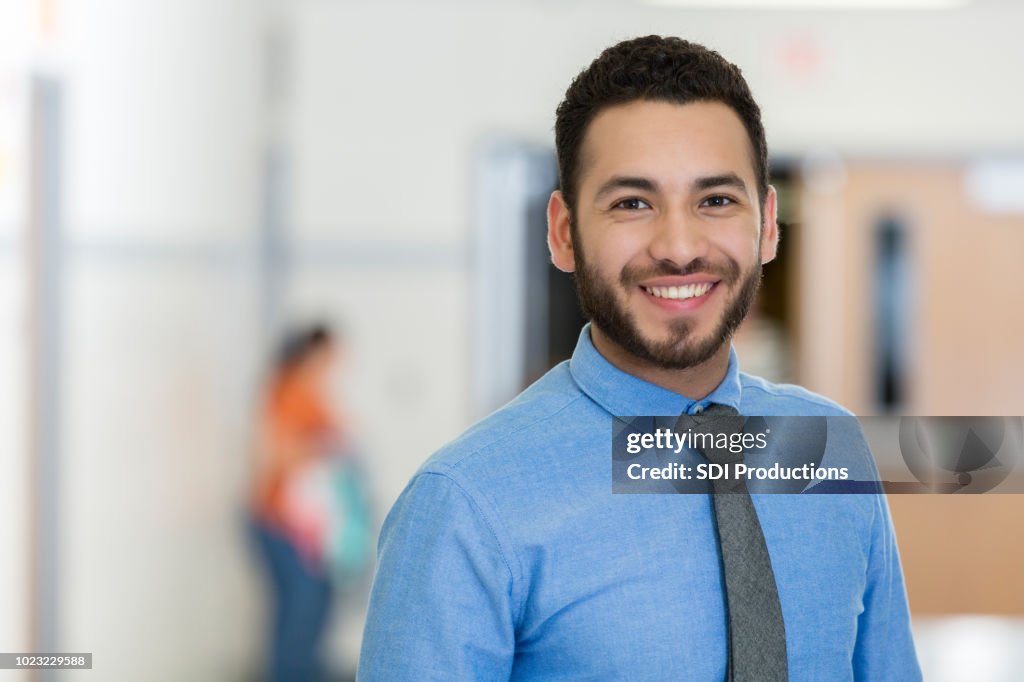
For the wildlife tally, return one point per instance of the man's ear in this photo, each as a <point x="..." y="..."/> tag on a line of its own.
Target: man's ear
<point x="770" y="227"/>
<point x="559" y="233"/>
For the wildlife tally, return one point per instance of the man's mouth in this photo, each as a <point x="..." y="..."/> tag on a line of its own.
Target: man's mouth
<point x="680" y="293"/>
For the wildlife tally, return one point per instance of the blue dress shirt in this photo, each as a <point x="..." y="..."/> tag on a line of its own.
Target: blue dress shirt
<point x="508" y="557"/>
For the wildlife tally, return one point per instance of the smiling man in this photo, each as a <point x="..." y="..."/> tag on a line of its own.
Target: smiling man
<point x="675" y="207"/>
<point x="508" y="557"/>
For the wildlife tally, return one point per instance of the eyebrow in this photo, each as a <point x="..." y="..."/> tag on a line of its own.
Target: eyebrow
<point x="724" y="180"/>
<point x="618" y="182"/>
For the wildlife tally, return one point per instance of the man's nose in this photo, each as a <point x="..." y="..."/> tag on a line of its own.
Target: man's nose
<point x="679" y="238"/>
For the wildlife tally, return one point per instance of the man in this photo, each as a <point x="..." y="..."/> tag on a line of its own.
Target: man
<point x="508" y="556"/>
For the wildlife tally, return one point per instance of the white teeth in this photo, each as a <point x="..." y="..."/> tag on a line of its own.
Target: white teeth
<point x="680" y="293"/>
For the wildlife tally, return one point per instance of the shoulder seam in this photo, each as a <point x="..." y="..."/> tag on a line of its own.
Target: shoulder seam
<point x="504" y="548"/>
<point x="521" y="427"/>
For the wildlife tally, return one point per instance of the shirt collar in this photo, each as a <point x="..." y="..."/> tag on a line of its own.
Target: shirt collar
<point x="623" y="394"/>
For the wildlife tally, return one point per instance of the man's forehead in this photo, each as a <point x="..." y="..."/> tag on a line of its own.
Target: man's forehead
<point x="668" y="139"/>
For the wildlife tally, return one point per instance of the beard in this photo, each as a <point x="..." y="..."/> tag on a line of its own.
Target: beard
<point x="681" y="350"/>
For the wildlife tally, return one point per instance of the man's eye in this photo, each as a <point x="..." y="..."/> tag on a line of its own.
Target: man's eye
<point x="632" y="204"/>
<point x="718" y="201"/>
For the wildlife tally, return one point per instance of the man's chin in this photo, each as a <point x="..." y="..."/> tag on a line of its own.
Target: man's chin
<point x="674" y="335"/>
<point x="680" y="351"/>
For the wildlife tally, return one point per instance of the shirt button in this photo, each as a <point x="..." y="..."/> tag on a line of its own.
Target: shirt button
<point x="697" y="409"/>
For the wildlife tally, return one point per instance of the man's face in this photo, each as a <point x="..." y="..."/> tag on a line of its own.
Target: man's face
<point x="668" y="237"/>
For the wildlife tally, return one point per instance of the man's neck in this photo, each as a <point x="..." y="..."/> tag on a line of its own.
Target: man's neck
<point x="693" y="382"/>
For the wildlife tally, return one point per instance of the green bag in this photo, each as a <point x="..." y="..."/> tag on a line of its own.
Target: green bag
<point x="352" y="536"/>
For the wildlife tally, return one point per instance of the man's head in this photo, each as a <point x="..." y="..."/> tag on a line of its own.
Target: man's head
<point x="657" y="69"/>
<point x="665" y="213"/>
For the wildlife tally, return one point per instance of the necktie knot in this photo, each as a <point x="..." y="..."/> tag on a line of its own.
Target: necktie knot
<point x="716" y="424"/>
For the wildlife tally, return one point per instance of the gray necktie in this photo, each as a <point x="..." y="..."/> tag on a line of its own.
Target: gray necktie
<point x="757" y="633"/>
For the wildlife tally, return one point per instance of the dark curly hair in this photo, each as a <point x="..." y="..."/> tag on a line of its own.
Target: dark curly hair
<point x="655" y="68"/>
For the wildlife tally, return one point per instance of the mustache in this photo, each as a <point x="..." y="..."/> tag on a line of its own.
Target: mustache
<point x="728" y="271"/>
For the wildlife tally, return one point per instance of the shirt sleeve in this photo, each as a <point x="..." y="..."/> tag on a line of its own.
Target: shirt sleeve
<point x="885" y="645"/>
<point x="441" y="604"/>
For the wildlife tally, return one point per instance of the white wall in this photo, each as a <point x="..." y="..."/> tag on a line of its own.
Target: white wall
<point x="160" y="348"/>
<point x="880" y="82"/>
<point x="15" y="47"/>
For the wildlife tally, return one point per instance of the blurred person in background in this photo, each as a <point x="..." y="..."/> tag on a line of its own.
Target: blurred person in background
<point x="308" y="512"/>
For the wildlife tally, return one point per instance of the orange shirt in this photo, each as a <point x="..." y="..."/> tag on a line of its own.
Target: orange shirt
<point x="297" y="427"/>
